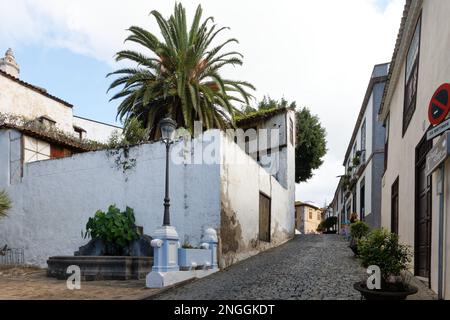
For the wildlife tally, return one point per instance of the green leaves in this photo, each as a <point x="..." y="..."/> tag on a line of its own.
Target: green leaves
<point x="5" y="203"/>
<point x="382" y="248"/>
<point x="181" y="76"/>
<point x="359" y="229"/>
<point x="310" y="145"/>
<point x="114" y="227"/>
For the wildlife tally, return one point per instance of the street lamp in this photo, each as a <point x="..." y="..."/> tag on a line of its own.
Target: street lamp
<point x="168" y="127"/>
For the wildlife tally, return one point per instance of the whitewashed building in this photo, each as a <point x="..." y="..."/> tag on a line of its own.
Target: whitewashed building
<point x="359" y="190"/>
<point x="22" y="99"/>
<point x="215" y="183"/>
<point x="411" y="196"/>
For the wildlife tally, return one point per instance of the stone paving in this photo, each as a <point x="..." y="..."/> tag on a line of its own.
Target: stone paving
<point x="316" y="267"/>
<point x="310" y="267"/>
<point x="32" y="283"/>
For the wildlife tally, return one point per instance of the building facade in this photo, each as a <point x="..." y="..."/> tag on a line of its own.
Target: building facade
<point x="307" y="217"/>
<point x="215" y="182"/>
<point x="21" y="99"/>
<point x="359" y="189"/>
<point x="410" y="195"/>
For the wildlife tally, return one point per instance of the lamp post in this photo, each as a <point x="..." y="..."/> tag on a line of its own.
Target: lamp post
<point x="165" y="241"/>
<point x="168" y="127"/>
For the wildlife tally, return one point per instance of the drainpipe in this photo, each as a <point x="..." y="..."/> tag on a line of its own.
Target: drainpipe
<point x="441" y="233"/>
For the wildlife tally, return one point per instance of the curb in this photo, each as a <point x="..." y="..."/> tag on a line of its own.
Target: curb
<point x="153" y="295"/>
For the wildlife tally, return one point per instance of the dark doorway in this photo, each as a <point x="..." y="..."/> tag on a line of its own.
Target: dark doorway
<point x="422" y="252"/>
<point x="362" y="199"/>
<point x="394" y="207"/>
<point x="264" y="218"/>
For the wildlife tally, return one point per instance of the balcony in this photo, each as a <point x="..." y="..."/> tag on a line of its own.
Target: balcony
<point x="359" y="163"/>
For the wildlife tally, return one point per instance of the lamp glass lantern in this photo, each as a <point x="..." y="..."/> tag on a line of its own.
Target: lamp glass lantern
<point x="168" y="127"/>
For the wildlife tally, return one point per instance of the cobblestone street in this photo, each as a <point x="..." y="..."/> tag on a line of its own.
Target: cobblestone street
<point x="308" y="267"/>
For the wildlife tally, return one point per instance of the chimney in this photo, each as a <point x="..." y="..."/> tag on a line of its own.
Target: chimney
<point x="9" y="65"/>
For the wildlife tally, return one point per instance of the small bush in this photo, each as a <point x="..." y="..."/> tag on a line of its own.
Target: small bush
<point x="382" y="248"/>
<point x="359" y="229"/>
<point x="5" y="203"/>
<point x="133" y="133"/>
<point x="321" y="227"/>
<point x="117" y="229"/>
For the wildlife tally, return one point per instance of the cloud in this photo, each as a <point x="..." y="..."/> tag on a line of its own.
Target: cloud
<point x="319" y="53"/>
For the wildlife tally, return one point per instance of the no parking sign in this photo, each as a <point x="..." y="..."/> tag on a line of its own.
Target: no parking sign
<point x="439" y="105"/>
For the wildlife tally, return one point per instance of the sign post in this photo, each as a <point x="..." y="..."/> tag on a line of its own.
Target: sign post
<point x="438" y="110"/>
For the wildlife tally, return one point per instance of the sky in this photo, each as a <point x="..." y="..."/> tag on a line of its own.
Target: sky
<point x="319" y="53"/>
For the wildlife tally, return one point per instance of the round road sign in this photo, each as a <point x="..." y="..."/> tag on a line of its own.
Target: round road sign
<point x="439" y="104"/>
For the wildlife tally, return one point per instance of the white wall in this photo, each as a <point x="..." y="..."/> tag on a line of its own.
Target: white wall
<point x="96" y="131"/>
<point x="22" y="101"/>
<point x="56" y="197"/>
<point x="19" y="100"/>
<point x="242" y="181"/>
<point x="434" y="69"/>
<point x="53" y="203"/>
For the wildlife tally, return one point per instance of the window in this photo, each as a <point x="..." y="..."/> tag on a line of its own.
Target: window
<point x="319" y="217"/>
<point x="394" y="207"/>
<point x="363" y="142"/>
<point x="386" y="142"/>
<point x="362" y="199"/>
<point x="46" y="121"/>
<point x="354" y="209"/>
<point x="79" y="131"/>
<point x="310" y="215"/>
<point x="411" y="77"/>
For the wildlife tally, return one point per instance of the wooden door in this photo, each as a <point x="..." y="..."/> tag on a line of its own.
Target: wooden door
<point x="264" y="218"/>
<point x="422" y="254"/>
<point x="394" y="208"/>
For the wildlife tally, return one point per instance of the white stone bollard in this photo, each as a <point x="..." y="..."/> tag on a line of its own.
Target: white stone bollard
<point x="210" y="239"/>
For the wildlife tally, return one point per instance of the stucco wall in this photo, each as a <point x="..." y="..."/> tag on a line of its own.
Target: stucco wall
<point x="19" y="100"/>
<point x="309" y="226"/>
<point x="56" y="197"/>
<point x="434" y="69"/>
<point x="53" y="203"/>
<point x="96" y="131"/>
<point x="242" y="180"/>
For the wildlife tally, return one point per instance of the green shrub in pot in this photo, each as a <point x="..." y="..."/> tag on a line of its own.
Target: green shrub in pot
<point x="117" y="229"/>
<point x="382" y="248"/>
<point x="359" y="229"/>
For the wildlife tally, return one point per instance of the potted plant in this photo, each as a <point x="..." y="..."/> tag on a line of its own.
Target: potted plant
<point x="382" y="248"/>
<point x="115" y="228"/>
<point x="190" y="257"/>
<point x="358" y="230"/>
<point x="356" y="161"/>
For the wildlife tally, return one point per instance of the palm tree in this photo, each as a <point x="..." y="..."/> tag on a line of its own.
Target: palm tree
<point x="181" y="77"/>
<point x="5" y="203"/>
